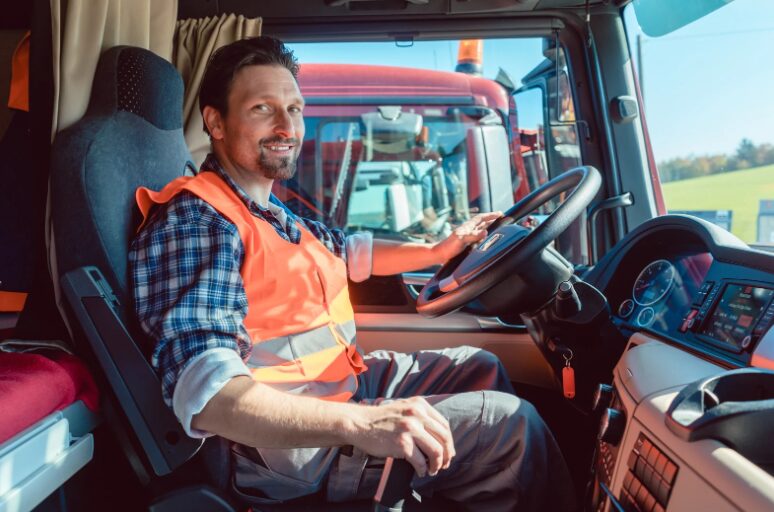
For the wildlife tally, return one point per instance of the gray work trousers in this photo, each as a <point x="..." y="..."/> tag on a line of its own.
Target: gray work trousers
<point x="506" y="458"/>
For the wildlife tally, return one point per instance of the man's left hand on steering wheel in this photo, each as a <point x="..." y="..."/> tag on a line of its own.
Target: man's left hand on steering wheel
<point x="469" y="232"/>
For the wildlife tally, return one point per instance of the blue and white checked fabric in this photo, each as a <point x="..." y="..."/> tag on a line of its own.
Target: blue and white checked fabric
<point x="184" y="269"/>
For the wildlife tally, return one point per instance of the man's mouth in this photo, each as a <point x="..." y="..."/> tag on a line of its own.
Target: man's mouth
<point x="279" y="148"/>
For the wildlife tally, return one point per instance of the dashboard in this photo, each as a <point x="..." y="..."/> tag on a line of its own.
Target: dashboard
<point x="691" y="283"/>
<point x="685" y="419"/>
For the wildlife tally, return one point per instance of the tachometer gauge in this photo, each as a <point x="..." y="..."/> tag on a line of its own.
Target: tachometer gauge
<point x="653" y="283"/>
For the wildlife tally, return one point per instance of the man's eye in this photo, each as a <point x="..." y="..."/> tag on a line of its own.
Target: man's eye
<point x="261" y="108"/>
<point x="295" y="110"/>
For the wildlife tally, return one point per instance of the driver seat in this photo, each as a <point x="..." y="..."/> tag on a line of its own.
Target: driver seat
<point x="131" y="135"/>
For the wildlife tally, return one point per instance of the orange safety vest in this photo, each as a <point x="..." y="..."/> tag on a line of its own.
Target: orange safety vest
<point x="299" y="316"/>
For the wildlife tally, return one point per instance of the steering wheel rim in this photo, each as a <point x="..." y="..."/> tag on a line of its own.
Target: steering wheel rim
<point x="508" y="245"/>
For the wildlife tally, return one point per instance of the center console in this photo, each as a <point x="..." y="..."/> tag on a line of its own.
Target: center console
<point x="643" y="463"/>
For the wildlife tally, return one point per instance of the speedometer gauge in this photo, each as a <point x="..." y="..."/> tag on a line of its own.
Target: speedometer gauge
<point x="653" y="283"/>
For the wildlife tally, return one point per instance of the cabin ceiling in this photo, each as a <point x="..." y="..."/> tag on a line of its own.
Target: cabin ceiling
<point x="305" y="11"/>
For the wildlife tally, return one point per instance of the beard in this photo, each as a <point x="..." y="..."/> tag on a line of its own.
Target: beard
<point x="278" y="168"/>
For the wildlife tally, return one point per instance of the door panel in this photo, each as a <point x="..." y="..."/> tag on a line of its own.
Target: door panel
<point x="409" y="332"/>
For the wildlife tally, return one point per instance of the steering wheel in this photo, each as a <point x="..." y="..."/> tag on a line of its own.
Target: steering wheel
<point x="509" y="246"/>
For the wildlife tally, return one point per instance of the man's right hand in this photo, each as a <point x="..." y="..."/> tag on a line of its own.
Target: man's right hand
<point x="408" y="429"/>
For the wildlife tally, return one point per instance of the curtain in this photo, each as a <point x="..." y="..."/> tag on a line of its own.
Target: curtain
<point x="83" y="29"/>
<point x="195" y="41"/>
<point x="80" y="31"/>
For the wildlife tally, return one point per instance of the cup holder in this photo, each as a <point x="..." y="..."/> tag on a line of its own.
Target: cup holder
<point x="735" y="408"/>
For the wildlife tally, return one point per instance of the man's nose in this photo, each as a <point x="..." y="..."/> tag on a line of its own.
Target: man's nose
<point x="283" y="124"/>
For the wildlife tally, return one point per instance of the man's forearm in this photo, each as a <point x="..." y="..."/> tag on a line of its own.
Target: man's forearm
<point x="257" y="415"/>
<point x="392" y="257"/>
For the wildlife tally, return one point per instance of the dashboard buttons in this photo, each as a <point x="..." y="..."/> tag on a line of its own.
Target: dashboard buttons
<point x="645" y="317"/>
<point x="765" y="321"/>
<point x="626" y="308"/>
<point x="703" y="292"/>
<point x="711" y="296"/>
<point x="689" y="321"/>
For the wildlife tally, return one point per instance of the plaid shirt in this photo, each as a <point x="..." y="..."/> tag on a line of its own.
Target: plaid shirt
<point x="184" y="267"/>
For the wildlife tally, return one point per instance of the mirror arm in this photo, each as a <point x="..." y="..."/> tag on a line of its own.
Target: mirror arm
<point x="619" y="201"/>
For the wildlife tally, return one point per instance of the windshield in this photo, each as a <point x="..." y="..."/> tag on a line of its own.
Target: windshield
<point x="361" y="160"/>
<point x="408" y="139"/>
<point x="707" y="96"/>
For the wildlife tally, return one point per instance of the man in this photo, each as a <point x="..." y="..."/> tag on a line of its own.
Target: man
<point x="249" y="308"/>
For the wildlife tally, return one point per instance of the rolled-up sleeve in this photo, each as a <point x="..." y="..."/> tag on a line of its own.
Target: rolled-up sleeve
<point x="201" y="379"/>
<point x="359" y="249"/>
<point x="355" y="249"/>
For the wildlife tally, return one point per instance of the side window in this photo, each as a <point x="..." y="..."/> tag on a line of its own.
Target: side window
<point x="531" y="121"/>
<point x="564" y="151"/>
<point x="548" y="139"/>
<point x="548" y="128"/>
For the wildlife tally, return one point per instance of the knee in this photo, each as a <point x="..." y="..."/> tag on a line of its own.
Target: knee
<point x="507" y="409"/>
<point x="484" y="359"/>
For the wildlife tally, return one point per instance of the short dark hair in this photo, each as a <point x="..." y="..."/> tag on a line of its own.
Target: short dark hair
<point x="228" y="60"/>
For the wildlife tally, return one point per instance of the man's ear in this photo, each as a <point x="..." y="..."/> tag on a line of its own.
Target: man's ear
<point x="214" y="122"/>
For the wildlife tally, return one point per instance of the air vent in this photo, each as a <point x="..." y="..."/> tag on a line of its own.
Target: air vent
<point x="649" y="480"/>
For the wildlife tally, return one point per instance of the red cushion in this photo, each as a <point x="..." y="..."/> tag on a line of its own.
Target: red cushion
<point x="33" y="386"/>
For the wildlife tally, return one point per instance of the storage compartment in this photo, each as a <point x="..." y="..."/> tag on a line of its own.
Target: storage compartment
<point x="37" y="461"/>
<point x="735" y="408"/>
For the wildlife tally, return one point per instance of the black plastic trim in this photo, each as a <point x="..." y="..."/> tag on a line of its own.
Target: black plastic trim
<point x="723" y="246"/>
<point x="130" y="376"/>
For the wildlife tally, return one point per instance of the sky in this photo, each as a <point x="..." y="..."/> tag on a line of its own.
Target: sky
<point x="706" y="85"/>
<point x="710" y="83"/>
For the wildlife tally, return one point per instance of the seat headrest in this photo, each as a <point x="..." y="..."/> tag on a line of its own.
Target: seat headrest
<point x="138" y="81"/>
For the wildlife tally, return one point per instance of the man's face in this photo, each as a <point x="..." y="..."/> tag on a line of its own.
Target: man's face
<point x="264" y="127"/>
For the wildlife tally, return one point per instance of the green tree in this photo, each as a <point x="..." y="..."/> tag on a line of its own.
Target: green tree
<point x="746" y="154"/>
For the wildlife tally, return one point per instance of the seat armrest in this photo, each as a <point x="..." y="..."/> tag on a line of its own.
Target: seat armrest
<point x="126" y="370"/>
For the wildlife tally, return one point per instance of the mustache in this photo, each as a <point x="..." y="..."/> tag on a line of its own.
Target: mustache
<point x="279" y="140"/>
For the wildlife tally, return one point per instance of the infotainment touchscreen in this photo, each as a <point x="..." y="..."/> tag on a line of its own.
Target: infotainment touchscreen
<point x="735" y="315"/>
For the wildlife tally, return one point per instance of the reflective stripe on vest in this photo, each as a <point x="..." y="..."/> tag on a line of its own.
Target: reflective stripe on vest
<point x="299" y="316"/>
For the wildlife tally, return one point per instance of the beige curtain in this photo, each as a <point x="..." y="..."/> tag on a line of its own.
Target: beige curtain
<point x="82" y="29"/>
<point x="195" y="41"/>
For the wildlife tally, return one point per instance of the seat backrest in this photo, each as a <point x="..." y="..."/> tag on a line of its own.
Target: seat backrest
<point x="131" y="135"/>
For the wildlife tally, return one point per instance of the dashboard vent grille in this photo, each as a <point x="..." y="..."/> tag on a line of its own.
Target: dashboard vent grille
<point x="649" y="480"/>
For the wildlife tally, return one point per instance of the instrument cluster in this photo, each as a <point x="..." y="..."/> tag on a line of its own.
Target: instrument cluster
<point x="663" y="291"/>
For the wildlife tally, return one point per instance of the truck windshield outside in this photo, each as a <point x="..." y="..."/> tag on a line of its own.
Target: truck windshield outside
<point x="407" y="140"/>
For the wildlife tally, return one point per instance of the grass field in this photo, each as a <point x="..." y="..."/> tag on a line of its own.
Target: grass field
<point x="740" y="191"/>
